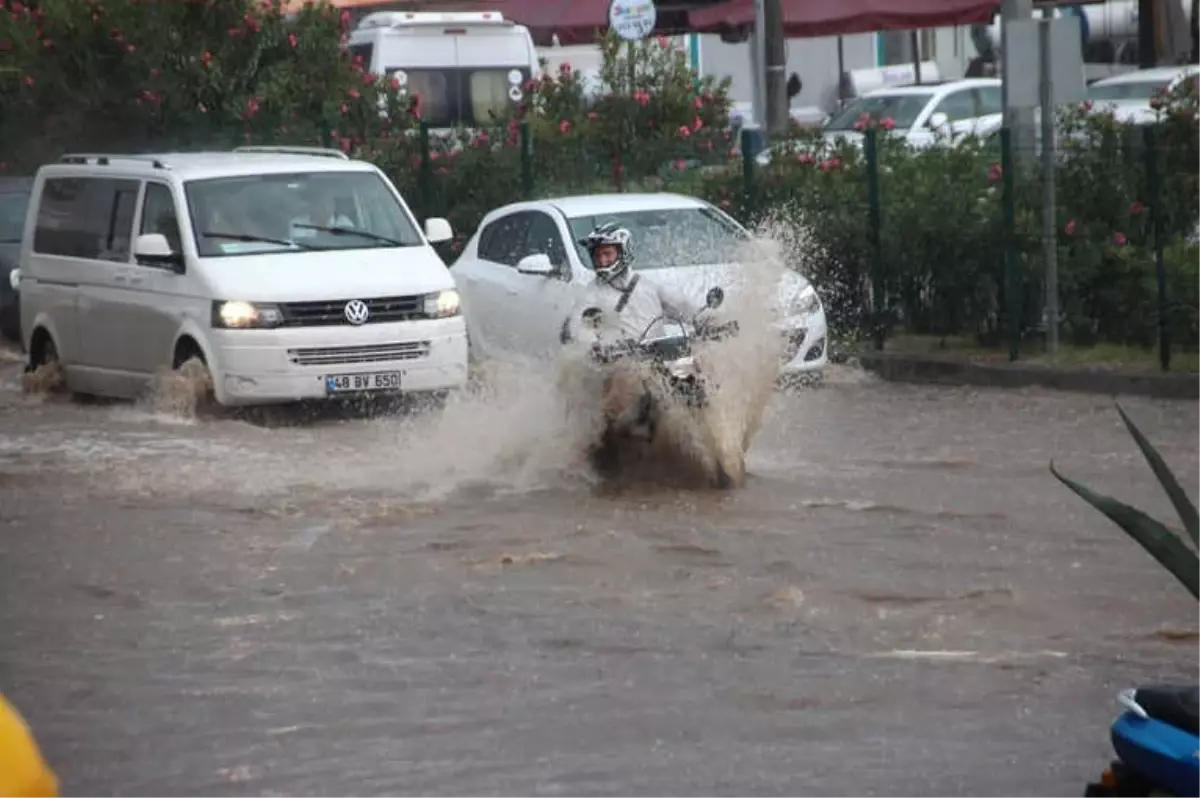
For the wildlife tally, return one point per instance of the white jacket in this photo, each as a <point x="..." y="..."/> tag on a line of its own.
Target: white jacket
<point x="632" y="305"/>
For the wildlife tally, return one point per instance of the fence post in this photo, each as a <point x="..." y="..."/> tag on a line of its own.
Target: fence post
<point x="871" y="146"/>
<point x="526" y="161"/>
<point x="1154" y="189"/>
<point x="749" y="193"/>
<point x="1012" y="292"/>
<point x="425" y="177"/>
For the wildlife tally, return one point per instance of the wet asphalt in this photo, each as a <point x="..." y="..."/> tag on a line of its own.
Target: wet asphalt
<point x="901" y="600"/>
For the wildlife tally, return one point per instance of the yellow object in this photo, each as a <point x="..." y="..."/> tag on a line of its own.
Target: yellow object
<point x="23" y="771"/>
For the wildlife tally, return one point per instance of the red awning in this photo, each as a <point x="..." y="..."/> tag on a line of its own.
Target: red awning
<point x="805" y="18"/>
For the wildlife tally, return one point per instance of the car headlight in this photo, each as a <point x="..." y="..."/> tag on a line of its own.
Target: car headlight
<point x="442" y="304"/>
<point x="806" y="302"/>
<point x="238" y="315"/>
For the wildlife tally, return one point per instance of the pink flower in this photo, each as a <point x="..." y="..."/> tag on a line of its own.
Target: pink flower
<point x="663" y="42"/>
<point x="353" y="94"/>
<point x="860" y="125"/>
<point x="206" y="59"/>
<point x="696" y="124"/>
<point x="1069" y="229"/>
<point x="565" y="68"/>
<point x="830" y="165"/>
<point x="996" y="173"/>
<point x="394" y="84"/>
<point x="698" y="103"/>
<point x="680" y="165"/>
<point x="345" y="109"/>
<point x="593" y="116"/>
<point x="726" y="204"/>
<point x="1156" y="103"/>
<point x="1136" y="208"/>
<point x="684" y="131"/>
<point x="293" y="41"/>
<point x="1119" y="238"/>
<point x="806" y="158"/>
<point x="564" y="127"/>
<point x="1086" y="106"/>
<point x="888" y="123"/>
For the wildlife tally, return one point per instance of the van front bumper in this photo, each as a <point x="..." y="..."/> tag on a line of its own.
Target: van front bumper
<point x="289" y="365"/>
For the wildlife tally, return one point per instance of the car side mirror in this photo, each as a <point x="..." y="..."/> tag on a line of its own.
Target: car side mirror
<point x="537" y="263"/>
<point x="154" y="250"/>
<point x="939" y="121"/>
<point x="438" y="230"/>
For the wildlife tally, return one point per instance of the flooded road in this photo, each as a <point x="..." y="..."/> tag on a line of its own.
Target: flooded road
<point x="902" y="600"/>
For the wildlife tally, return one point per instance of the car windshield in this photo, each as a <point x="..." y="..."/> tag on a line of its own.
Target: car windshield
<point x="903" y="109"/>
<point x="1142" y="90"/>
<point x="12" y="216"/>
<point x="296" y="212"/>
<point x="663" y="239"/>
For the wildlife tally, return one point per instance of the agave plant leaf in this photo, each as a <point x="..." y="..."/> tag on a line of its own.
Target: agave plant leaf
<point x="1183" y="505"/>
<point x="1163" y="544"/>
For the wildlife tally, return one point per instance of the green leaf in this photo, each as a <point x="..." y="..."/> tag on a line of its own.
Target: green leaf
<point x="1183" y="505"/>
<point x="1164" y="545"/>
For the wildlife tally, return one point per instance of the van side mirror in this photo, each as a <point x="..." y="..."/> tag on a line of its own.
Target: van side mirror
<point x="438" y="230"/>
<point x="154" y="250"/>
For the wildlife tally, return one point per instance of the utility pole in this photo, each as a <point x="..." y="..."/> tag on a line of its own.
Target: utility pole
<point x="1018" y="120"/>
<point x="1147" y="35"/>
<point x="775" y="62"/>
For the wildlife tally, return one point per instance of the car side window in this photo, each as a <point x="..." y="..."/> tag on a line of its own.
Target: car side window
<point x="158" y="214"/>
<point x="957" y="105"/>
<point x="86" y="217"/>
<point x="503" y="240"/>
<point x="991" y="100"/>
<point x="544" y="238"/>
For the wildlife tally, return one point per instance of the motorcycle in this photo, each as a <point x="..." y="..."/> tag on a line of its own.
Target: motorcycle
<point x="672" y="381"/>
<point x="1156" y="742"/>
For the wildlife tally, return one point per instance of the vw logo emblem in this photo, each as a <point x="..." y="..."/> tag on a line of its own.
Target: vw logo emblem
<point x="357" y="311"/>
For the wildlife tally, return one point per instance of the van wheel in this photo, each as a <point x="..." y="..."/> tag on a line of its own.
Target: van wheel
<point x="45" y="374"/>
<point x="188" y="390"/>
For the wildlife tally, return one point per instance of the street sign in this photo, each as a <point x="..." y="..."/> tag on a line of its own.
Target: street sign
<point x="632" y="20"/>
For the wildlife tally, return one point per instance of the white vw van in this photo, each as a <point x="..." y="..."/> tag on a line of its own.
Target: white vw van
<point x="464" y="65"/>
<point x="290" y="273"/>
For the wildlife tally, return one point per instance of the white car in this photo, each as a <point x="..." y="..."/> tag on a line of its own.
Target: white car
<point x="1128" y="95"/>
<point x="923" y="115"/>
<point x="515" y="306"/>
<point x="287" y="274"/>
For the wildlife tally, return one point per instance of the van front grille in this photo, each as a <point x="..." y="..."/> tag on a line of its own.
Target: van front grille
<point x="348" y="355"/>
<point x="333" y="312"/>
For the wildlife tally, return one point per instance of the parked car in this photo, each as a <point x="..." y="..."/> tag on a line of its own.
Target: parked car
<point x="14" y="200"/>
<point x="924" y="115"/>
<point x="1128" y="95"/>
<point x="513" y="307"/>
<point x="287" y="274"/>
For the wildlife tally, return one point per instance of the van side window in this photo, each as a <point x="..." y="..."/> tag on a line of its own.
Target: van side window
<point x="86" y="217"/>
<point x="158" y="215"/>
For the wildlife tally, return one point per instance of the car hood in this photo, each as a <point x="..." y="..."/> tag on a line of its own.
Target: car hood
<point x="312" y="276"/>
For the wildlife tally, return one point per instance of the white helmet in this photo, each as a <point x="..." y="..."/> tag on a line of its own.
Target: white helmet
<point x="609" y="234"/>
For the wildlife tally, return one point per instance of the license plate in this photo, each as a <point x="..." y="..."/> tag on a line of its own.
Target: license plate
<point x="359" y="383"/>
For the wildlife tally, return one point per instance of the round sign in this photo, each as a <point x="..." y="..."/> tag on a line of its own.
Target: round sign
<point x="632" y="19"/>
<point x="514" y="94"/>
<point x="514" y="77"/>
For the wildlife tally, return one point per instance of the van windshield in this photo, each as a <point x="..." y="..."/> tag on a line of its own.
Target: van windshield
<point x="253" y="214"/>
<point x="462" y="96"/>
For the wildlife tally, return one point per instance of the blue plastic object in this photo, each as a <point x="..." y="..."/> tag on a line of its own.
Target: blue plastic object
<point x="1158" y="752"/>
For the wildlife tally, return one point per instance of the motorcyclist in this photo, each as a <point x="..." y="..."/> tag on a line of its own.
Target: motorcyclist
<point x="631" y="308"/>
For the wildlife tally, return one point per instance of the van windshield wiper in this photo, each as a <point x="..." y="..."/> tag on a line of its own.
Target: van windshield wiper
<point x="283" y="242"/>
<point x="351" y="231"/>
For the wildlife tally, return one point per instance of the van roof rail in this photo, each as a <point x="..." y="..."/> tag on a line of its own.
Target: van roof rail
<point x="400" y="19"/>
<point x="320" y="152"/>
<point x="105" y="159"/>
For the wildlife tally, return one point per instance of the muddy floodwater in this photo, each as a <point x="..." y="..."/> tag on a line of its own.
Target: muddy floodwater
<point x="901" y="600"/>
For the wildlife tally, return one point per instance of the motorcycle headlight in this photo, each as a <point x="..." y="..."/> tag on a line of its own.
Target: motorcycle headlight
<point x="806" y="302"/>
<point x="442" y="304"/>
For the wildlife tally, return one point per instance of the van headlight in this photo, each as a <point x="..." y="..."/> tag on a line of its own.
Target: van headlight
<point x="442" y="304"/>
<point x="238" y="315"/>
<point x="806" y="302"/>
